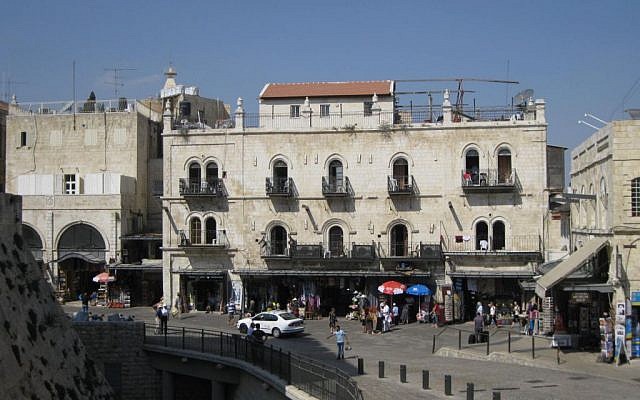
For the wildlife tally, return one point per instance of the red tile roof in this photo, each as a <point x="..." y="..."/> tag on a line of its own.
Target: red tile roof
<point x="326" y="89"/>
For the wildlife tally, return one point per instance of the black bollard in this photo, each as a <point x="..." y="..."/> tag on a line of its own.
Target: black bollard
<point x="496" y="395"/>
<point x="380" y="369"/>
<point x="433" y="348"/>
<point x="459" y="340"/>
<point x="403" y="373"/>
<point x="469" y="391"/>
<point x="447" y="385"/>
<point x="509" y="348"/>
<point x="533" y="346"/>
<point x="488" y="339"/>
<point x="425" y="379"/>
<point x="360" y="366"/>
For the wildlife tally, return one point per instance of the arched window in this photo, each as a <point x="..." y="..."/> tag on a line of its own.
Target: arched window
<point x="591" y="214"/>
<point x="336" y="241"/>
<point x="399" y="241"/>
<point x="336" y="177"/>
<point x="81" y="237"/>
<point x="401" y="173"/>
<point x="472" y="165"/>
<point x="504" y="166"/>
<point x="280" y="176"/>
<point x="212" y="171"/>
<point x="583" y="210"/>
<point x="195" y="230"/>
<point x="635" y="197"/>
<point x="604" y="203"/>
<point x="210" y="231"/>
<point x="278" y="238"/>
<point x="498" y="236"/>
<point x="482" y="236"/>
<point x="32" y="241"/>
<point x="194" y="176"/>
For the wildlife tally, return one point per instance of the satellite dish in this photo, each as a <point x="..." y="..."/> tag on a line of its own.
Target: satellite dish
<point x="522" y="97"/>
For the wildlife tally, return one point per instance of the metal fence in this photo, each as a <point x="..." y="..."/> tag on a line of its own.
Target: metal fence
<point x="79" y="107"/>
<point x="314" y="378"/>
<point x="512" y="340"/>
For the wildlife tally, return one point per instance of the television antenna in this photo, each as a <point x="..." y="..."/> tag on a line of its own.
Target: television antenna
<point x="9" y="85"/>
<point x="117" y="78"/>
<point x="521" y="98"/>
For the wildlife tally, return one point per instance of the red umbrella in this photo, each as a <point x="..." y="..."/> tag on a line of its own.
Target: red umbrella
<point x="104" y="278"/>
<point x="392" y="287"/>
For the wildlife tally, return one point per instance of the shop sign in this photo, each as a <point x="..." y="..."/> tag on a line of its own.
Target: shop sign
<point x="581" y="297"/>
<point x="635" y="298"/>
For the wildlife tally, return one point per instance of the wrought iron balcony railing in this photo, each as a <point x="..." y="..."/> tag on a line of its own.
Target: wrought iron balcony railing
<point x="489" y="179"/>
<point x="282" y="187"/>
<point x="211" y="239"/>
<point x="401" y="185"/>
<point x="337" y="188"/>
<point x="203" y="187"/>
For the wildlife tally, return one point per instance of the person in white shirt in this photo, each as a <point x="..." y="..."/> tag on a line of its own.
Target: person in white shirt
<point x="492" y="314"/>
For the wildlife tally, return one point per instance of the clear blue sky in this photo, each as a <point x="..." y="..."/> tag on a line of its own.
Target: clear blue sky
<point x="580" y="56"/>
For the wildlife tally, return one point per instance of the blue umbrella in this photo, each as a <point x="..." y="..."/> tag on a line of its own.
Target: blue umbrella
<point x="419" y="290"/>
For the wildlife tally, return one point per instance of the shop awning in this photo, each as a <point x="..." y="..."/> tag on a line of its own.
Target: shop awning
<point x="145" y="266"/>
<point x="203" y="274"/>
<point x="491" y="274"/>
<point x="569" y="265"/>
<point x="363" y="274"/>
<point x="589" y="287"/>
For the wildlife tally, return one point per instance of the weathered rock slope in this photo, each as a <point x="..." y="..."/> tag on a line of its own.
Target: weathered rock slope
<point x="41" y="357"/>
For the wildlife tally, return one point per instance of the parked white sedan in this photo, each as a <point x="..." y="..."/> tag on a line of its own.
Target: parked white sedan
<point x="275" y="323"/>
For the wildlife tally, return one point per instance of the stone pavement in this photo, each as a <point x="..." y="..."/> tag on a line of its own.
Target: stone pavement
<point x="516" y="375"/>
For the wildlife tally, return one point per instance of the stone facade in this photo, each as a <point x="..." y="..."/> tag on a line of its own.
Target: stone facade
<point x="400" y="173"/>
<point x="605" y="166"/>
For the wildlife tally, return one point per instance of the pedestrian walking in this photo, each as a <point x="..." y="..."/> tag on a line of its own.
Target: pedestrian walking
<point x="231" y="310"/>
<point x="163" y="315"/>
<point x="404" y="315"/>
<point x="492" y="314"/>
<point x="478" y="326"/>
<point x="84" y="298"/>
<point x="396" y="313"/>
<point x="333" y="320"/>
<point x="341" y="338"/>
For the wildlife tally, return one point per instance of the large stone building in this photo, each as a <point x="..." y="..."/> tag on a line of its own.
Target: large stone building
<point x="4" y="108"/>
<point x="90" y="175"/>
<point x="334" y="188"/>
<point x="603" y="268"/>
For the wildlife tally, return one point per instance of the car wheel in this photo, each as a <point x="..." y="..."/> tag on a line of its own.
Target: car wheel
<point x="276" y="332"/>
<point x="243" y="328"/>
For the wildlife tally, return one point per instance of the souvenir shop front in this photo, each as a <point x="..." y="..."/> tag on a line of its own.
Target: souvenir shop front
<point x="135" y="285"/>
<point x="318" y="290"/>
<point x="576" y="295"/>
<point x="500" y="288"/>
<point x="203" y="290"/>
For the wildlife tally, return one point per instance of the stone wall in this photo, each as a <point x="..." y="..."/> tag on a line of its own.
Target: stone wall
<point x="41" y="357"/>
<point x="116" y="349"/>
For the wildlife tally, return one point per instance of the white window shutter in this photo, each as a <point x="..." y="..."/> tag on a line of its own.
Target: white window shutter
<point x="58" y="184"/>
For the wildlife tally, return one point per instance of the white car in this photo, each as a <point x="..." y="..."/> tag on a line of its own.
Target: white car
<point x="275" y="323"/>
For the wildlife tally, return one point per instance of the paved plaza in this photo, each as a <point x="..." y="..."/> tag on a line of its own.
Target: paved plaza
<point x="516" y="375"/>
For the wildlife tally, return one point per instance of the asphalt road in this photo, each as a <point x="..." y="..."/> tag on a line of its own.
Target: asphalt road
<point x="578" y="377"/>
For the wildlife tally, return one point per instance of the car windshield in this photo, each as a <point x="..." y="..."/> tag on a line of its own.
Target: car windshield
<point x="288" y="316"/>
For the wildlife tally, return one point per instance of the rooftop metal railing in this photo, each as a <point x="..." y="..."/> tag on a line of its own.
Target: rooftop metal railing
<point x="312" y="377"/>
<point x="78" y="107"/>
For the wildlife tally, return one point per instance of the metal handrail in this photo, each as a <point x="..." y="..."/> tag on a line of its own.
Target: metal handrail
<point x="308" y="375"/>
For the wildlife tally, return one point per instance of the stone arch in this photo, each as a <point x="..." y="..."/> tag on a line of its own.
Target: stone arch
<point x="398" y="155"/>
<point x="335" y="156"/>
<point x="65" y="229"/>
<point x="282" y="157"/>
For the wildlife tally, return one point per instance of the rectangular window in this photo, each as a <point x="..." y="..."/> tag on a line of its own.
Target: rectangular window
<point x="70" y="184"/>
<point x="635" y="197"/>
<point x="367" y="108"/>
<point x="324" y="110"/>
<point x="294" y="111"/>
<point x="23" y="139"/>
